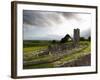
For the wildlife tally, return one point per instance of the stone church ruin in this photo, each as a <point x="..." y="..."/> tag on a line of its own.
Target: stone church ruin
<point x="61" y="53"/>
<point x="57" y="51"/>
<point x="63" y="48"/>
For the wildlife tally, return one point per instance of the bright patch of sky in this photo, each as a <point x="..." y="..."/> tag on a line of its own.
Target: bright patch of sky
<point x="41" y="25"/>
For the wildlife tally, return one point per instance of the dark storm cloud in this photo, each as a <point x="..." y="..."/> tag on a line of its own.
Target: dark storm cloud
<point x="71" y="15"/>
<point x="38" y="18"/>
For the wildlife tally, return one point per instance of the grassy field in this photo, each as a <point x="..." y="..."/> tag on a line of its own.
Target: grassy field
<point x="50" y="61"/>
<point x="30" y="49"/>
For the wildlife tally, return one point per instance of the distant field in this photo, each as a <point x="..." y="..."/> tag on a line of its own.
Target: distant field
<point x="31" y="47"/>
<point x="49" y="61"/>
<point x="33" y="43"/>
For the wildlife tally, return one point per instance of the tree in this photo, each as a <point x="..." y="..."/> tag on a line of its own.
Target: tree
<point x="89" y="38"/>
<point x="82" y="39"/>
<point x="53" y="41"/>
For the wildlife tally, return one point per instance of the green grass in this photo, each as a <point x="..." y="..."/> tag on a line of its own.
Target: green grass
<point x="35" y="43"/>
<point x="46" y="65"/>
<point x="77" y="54"/>
<point x="84" y="42"/>
<point x="71" y="57"/>
<point x="30" y="49"/>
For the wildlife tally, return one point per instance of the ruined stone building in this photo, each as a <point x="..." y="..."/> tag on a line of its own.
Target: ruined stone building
<point x="76" y="36"/>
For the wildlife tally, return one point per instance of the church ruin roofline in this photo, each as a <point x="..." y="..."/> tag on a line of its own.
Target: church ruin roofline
<point x="76" y="29"/>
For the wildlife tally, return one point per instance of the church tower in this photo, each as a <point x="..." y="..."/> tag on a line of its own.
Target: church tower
<point x="76" y="36"/>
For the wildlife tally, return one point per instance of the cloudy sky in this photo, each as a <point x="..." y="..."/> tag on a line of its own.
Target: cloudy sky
<point x="43" y="25"/>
